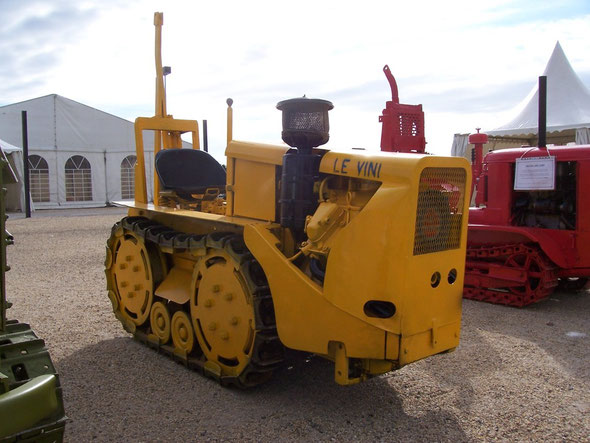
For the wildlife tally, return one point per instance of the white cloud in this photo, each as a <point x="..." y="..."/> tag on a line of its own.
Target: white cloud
<point x="467" y="64"/>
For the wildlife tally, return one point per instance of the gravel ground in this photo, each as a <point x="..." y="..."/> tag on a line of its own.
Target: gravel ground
<point x="519" y="374"/>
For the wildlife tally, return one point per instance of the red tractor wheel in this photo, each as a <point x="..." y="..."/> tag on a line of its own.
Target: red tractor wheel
<point x="540" y="277"/>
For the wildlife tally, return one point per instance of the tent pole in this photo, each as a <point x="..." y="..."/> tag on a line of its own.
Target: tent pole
<point x="26" y="164"/>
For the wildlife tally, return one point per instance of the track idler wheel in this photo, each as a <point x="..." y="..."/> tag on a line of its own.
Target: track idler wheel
<point x="133" y="269"/>
<point x="540" y="279"/>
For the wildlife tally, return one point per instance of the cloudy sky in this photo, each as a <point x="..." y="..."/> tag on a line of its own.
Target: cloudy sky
<point x="469" y="63"/>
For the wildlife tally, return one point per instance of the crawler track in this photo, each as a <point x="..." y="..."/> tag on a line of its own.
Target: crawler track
<point x="512" y="274"/>
<point x="243" y="358"/>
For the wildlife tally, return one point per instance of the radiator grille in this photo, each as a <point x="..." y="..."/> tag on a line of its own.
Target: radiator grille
<point x="439" y="214"/>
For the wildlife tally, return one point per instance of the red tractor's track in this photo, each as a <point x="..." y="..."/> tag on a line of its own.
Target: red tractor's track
<point x="511" y="274"/>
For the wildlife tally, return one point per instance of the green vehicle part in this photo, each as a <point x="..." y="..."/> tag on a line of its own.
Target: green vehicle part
<point x="31" y="405"/>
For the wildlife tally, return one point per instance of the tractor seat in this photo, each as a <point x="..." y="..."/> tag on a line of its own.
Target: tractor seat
<point x="188" y="171"/>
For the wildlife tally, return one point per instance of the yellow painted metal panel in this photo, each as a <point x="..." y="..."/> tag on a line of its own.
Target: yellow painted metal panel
<point x="371" y="256"/>
<point x="424" y="304"/>
<point x="255" y="190"/>
<point x="392" y="346"/>
<point x="166" y="124"/>
<point x="176" y="286"/>
<point x="249" y="159"/>
<point x="384" y="166"/>
<point x="430" y="342"/>
<point x="256" y="152"/>
<point x="161" y="212"/>
<point x="374" y="253"/>
<point x="140" y="179"/>
<point x="305" y="319"/>
<point x="229" y="187"/>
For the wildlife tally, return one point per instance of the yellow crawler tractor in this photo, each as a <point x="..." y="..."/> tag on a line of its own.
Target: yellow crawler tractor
<point x="355" y="256"/>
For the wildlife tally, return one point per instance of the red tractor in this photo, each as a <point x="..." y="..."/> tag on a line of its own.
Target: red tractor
<point x="530" y="228"/>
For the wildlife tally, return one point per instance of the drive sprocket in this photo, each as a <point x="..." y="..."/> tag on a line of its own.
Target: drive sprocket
<point x="232" y="312"/>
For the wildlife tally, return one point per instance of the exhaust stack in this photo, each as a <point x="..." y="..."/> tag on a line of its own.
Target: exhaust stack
<point x="542" y="112"/>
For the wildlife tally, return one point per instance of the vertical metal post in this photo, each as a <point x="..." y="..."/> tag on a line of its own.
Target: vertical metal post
<point x="160" y="99"/>
<point x="26" y="164"/>
<point x="106" y="180"/>
<point x="230" y="120"/>
<point x="205" y="142"/>
<point x="229" y="210"/>
<point x="542" y="111"/>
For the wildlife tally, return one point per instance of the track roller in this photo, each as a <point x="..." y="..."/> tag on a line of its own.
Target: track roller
<point x="183" y="336"/>
<point x="160" y="322"/>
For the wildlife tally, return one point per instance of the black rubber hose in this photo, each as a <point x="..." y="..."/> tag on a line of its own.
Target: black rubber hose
<point x="316" y="269"/>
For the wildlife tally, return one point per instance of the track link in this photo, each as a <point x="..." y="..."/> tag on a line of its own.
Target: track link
<point x="267" y="351"/>
<point x="489" y="269"/>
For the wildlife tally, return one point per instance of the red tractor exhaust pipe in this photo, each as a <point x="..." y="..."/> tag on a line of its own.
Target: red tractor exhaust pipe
<point x="542" y="112"/>
<point x="403" y="125"/>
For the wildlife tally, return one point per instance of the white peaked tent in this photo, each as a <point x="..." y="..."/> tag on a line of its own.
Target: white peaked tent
<point x="78" y="156"/>
<point x="568" y="113"/>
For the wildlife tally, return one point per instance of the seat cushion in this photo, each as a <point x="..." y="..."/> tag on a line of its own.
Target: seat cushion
<point x="188" y="170"/>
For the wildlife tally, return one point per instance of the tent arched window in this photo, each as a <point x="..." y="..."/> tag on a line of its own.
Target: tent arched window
<point x="78" y="179"/>
<point x="38" y="179"/>
<point x="128" y="177"/>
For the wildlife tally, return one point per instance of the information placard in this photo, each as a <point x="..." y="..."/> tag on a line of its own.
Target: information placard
<point x="535" y="174"/>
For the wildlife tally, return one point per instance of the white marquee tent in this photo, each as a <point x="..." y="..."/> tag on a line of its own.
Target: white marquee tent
<point x="568" y="113"/>
<point x="15" y="197"/>
<point x="78" y="156"/>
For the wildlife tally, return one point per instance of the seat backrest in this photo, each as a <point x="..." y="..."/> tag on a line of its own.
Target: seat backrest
<point x="188" y="170"/>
